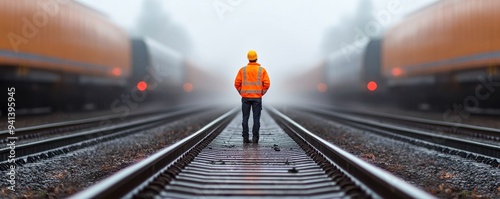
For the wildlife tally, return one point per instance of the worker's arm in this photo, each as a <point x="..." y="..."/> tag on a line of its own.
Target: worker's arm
<point x="266" y="82"/>
<point x="238" y="80"/>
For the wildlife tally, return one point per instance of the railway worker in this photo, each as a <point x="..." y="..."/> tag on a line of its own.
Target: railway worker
<point x="252" y="82"/>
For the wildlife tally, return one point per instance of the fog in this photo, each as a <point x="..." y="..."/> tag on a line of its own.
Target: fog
<point x="289" y="36"/>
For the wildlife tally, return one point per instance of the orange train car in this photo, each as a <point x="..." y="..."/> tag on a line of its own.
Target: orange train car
<point x="444" y="51"/>
<point x="444" y="55"/>
<point x="64" y="36"/>
<point x="450" y="35"/>
<point x="53" y="48"/>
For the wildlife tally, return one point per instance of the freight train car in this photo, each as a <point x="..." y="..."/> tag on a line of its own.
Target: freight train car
<point x="157" y="72"/>
<point x="444" y="55"/>
<point x="343" y="73"/>
<point x="60" y="52"/>
<point x="447" y="53"/>
<point x="355" y="73"/>
<point x="349" y="74"/>
<point x="64" y="55"/>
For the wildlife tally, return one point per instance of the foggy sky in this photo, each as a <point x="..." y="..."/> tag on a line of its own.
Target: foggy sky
<point x="289" y="35"/>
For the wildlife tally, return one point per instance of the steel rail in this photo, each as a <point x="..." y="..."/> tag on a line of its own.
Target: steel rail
<point x="373" y="178"/>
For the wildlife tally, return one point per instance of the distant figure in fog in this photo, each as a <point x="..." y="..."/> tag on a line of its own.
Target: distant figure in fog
<point x="252" y="82"/>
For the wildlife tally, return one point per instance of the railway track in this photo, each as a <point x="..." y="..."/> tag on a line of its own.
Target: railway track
<point x="82" y="124"/>
<point x="46" y="148"/>
<point x="485" y="133"/>
<point x="405" y="130"/>
<point x="288" y="161"/>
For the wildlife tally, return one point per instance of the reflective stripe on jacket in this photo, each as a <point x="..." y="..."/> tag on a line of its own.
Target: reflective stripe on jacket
<point x="252" y="81"/>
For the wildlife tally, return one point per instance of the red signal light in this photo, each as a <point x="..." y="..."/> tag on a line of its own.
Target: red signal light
<point x="372" y="86"/>
<point x="116" y="71"/>
<point x="188" y="87"/>
<point x="142" y="86"/>
<point x="322" y="87"/>
<point x="396" y="72"/>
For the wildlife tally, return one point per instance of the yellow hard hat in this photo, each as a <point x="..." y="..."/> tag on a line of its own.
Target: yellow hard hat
<point x="252" y="55"/>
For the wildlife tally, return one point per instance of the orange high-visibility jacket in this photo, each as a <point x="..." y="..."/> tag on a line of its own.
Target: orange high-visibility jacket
<point x="252" y="81"/>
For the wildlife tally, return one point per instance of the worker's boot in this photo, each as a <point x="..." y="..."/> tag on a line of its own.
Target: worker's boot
<point x="255" y="139"/>
<point x="246" y="140"/>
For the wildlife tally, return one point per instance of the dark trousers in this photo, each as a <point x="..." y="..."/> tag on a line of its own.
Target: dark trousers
<point x="255" y="104"/>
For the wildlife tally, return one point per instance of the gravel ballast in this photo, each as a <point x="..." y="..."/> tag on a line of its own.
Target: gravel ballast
<point x="64" y="175"/>
<point x="445" y="176"/>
